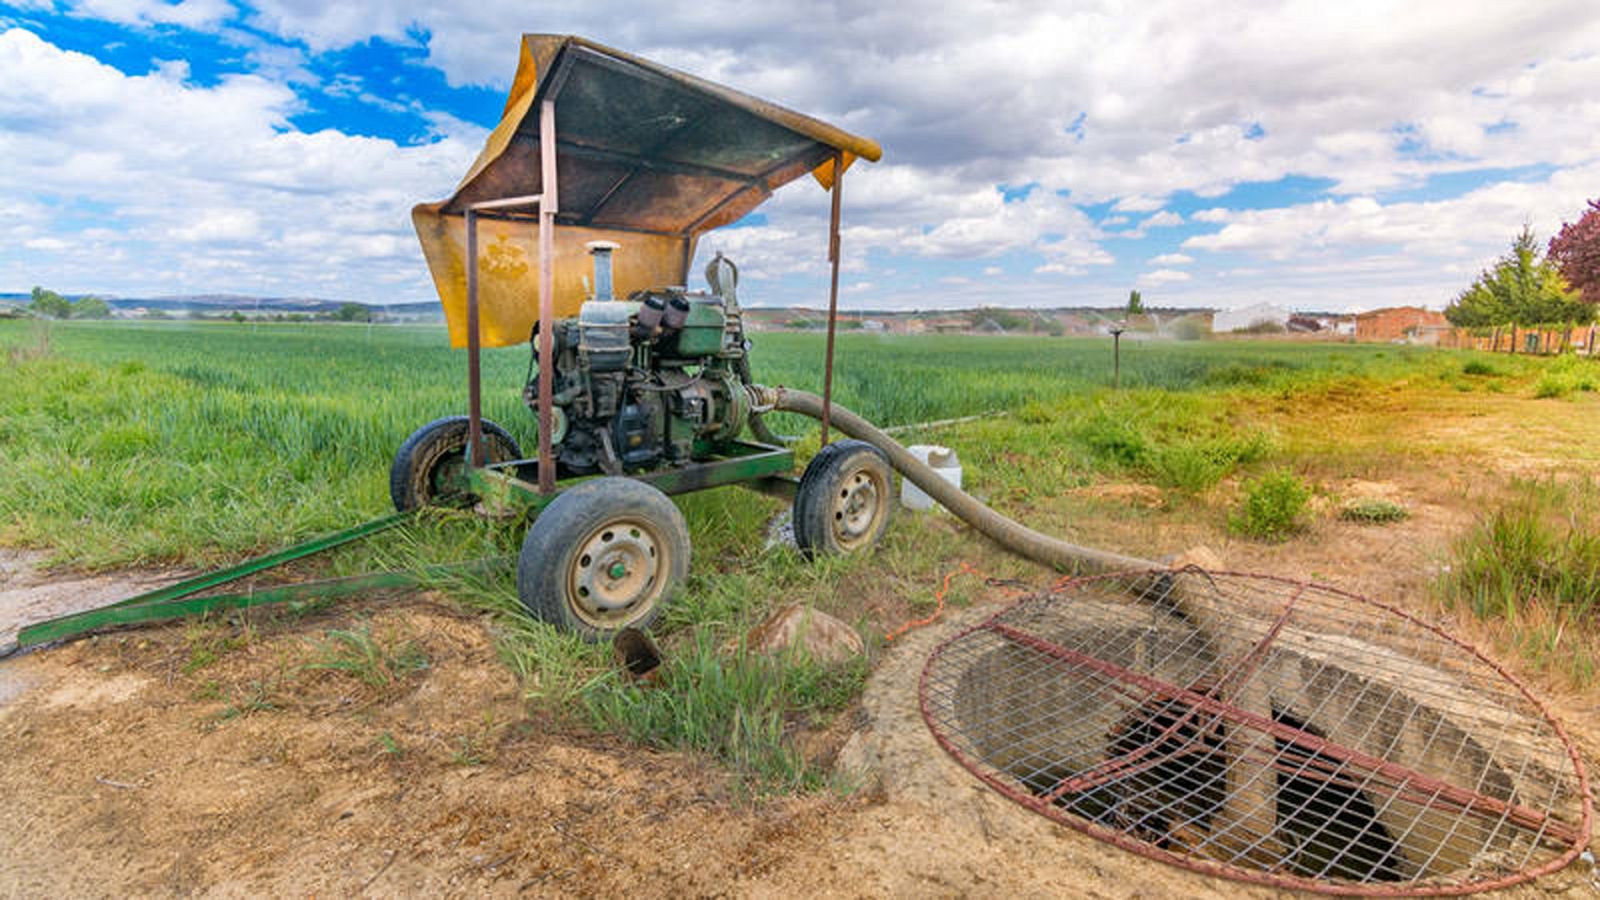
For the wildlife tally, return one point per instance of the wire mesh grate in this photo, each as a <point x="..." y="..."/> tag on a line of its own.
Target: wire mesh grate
<point x="1262" y="729"/>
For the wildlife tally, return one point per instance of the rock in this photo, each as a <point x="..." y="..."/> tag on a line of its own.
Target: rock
<point x="820" y="636"/>
<point x="1200" y="556"/>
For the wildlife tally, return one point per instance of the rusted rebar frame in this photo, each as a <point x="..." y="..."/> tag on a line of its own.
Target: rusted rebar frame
<point x="1428" y="791"/>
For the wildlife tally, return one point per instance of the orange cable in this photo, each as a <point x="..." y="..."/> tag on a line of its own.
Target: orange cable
<point x="939" y="609"/>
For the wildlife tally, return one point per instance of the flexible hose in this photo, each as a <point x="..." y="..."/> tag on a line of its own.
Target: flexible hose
<point x="1012" y="535"/>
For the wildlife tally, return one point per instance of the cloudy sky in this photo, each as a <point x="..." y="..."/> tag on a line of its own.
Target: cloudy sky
<point x="1319" y="155"/>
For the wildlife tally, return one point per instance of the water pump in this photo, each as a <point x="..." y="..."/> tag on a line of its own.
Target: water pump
<point x="656" y="379"/>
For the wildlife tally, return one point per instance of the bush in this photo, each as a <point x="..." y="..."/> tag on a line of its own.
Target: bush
<point x="1272" y="507"/>
<point x="1480" y="367"/>
<point x="1372" y="511"/>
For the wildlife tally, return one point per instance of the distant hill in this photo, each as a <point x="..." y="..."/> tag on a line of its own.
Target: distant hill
<point x="215" y="304"/>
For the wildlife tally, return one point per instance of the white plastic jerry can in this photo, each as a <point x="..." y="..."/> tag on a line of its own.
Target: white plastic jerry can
<point x="940" y="459"/>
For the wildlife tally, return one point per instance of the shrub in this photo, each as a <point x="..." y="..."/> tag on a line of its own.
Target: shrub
<point x="1373" y="511"/>
<point x="1479" y="367"/>
<point x="1272" y="507"/>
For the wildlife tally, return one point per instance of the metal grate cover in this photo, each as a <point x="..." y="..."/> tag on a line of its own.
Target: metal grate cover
<point x="1262" y="729"/>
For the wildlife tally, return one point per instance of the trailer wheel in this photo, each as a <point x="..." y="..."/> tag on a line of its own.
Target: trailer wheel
<point x="428" y="467"/>
<point x="603" y="556"/>
<point x="843" y="501"/>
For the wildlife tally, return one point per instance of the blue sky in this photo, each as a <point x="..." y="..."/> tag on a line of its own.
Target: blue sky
<point x="1319" y="157"/>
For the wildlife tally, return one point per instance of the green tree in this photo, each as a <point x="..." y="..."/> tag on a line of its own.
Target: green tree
<point x="1135" y="303"/>
<point x="1522" y="288"/>
<point x="352" y="312"/>
<point x="50" y="303"/>
<point x="91" y="308"/>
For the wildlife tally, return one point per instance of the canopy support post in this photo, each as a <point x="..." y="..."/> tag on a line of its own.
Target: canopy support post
<point x="548" y="205"/>
<point x="475" y="454"/>
<point x="833" y="292"/>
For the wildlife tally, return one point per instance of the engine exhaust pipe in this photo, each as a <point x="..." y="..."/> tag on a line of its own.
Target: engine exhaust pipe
<point x="601" y="251"/>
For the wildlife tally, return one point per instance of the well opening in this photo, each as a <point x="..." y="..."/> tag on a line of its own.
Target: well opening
<point x="1261" y="729"/>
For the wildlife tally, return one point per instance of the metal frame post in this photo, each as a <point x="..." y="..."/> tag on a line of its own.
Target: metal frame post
<point x="475" y="454"/>
<point x="548" y="204"/>
<point x="497" y="209"/>
<point x="833" y="292"/>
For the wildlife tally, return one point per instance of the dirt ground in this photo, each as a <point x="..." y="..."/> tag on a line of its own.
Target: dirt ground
<point x="130" y="769"/>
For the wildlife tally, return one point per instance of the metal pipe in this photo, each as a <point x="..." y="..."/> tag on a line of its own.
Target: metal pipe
<point x="548" y="205"/>
<point x="833" y="293"/>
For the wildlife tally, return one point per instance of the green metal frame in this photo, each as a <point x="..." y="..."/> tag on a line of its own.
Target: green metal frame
<point x="508" y="485"/>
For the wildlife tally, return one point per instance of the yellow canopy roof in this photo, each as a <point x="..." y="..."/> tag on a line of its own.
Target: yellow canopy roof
<point x="646" y="156"/>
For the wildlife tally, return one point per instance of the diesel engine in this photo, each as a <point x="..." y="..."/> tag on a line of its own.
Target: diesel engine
<point x="656" y="379"/>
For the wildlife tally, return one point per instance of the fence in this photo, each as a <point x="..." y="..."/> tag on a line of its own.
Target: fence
<point x="1537" y="339"/>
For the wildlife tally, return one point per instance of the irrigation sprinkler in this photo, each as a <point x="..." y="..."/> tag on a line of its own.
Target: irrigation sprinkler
<point x="1116" y="355"/>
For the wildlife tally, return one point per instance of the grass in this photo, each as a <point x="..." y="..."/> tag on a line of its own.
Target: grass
<point x="737" y="708"/>
<point x="191" y="444"/>
<point x="377" y="662"/>
<point x="172" y="442"/>
<point x="1533" y="563"/>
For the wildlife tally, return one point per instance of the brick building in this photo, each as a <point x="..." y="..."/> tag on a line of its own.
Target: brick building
<point x="1395" y="323"/>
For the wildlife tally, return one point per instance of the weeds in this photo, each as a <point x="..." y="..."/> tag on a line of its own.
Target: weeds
<point x="1534" y="562"/>
<point x="376" y="663"/>
<point x="1272" y="507"/>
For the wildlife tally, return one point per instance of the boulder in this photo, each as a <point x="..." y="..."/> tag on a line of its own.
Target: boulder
<point x="821" y="637"/>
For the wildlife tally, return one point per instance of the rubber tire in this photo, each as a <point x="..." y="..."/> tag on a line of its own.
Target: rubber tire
<point x="830" y="470"/>
<point x="419" y="458"/>
<point x="555" y="540"/>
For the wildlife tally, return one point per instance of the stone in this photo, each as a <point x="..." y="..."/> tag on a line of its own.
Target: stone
<point x="822" y="637"/>
<point x="1199" y="556"/>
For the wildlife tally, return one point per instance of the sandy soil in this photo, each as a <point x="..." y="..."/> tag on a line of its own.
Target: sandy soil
<point x="128" y="770"/>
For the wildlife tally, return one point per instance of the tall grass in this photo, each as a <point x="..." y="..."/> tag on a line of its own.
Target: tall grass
<point x="1533" y="561"/>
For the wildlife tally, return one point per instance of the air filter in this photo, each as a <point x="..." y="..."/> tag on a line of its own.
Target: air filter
<point x="1262" y="729"/>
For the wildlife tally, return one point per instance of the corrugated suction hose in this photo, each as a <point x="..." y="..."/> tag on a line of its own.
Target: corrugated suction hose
<point x="1012" y="535"/>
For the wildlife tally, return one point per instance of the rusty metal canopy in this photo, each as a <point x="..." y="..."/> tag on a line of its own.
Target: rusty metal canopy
<point x="645" y="155"/>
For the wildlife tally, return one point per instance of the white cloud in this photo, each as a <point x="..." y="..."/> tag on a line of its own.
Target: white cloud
<point x="196" y="14"/>
<point x="1369" y="94"/>
<point x="205" y="188"/>
<point x="1171" y="259"/>
<point x="1162" y="277"/>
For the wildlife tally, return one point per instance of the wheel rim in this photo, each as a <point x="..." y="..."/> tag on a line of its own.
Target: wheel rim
<point x="618" y="572"/>
<point x="442" y="478"/>
<point x="858" y="507"/>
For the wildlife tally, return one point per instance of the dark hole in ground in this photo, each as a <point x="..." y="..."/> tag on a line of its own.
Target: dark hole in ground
<point x="1329" y="825"/>
<point x="1165" y="777"/>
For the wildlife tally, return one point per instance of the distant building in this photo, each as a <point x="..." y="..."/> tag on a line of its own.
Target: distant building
<point x="1395" y="323"/>
<point x="1257" y="315"/>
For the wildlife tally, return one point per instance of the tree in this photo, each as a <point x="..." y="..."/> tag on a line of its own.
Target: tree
<point x="1135" y="303"/>
<point x="1576" y="252"/>
<point x="50" y="303"/>
<point x="352" y="312"/>
<point x="91" y="308"/>
<point x="1521" y="289"/>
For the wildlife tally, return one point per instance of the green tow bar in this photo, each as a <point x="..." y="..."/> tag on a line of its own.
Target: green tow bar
<point x="175" y="600"/>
